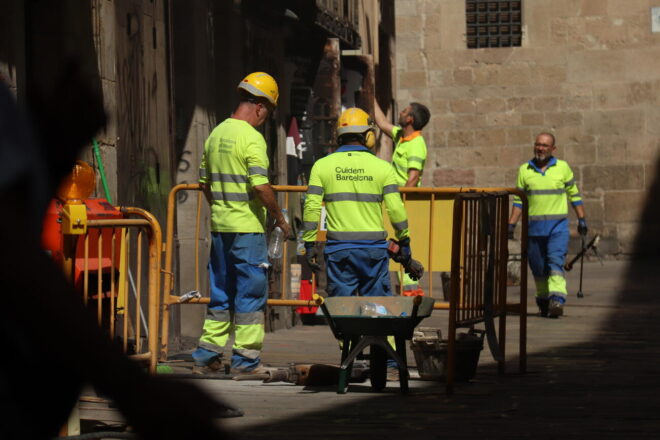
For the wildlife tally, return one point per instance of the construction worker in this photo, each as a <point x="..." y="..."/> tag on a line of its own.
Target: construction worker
<point x="547" y="181"/>
<point x="233" y="176"/>
<point x="408" y="158"/>
<point x="354" y="183"/>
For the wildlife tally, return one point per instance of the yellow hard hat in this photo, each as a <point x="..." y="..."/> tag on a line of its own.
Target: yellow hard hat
<point x="356" y="120"/>
<point x="261" y="84"/>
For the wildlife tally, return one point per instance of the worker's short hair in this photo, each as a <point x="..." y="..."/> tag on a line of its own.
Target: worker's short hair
<point x="347" y="138"/>
<point x="552" y="136"/>
<point x="244" y="96"/>
<point x="420" y="114"/>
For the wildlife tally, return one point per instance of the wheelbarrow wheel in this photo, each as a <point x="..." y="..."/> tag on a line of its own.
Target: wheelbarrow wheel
<point x="378" y="367"/>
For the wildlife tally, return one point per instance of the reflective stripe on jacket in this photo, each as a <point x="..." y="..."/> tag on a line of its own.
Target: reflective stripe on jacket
<point x="410" y="152"/>
<point x="353" y="183"/>
<point x="233" y="162"/>
<point x="547" y="194"/>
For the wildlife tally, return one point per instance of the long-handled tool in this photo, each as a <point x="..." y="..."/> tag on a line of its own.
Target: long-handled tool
<point x="568" y="266"/>
<point x="592" y="244"/>
<point x="579" y="293"/>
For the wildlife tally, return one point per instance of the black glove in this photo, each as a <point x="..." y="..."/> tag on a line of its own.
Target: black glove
<point x="405" y="253"/>
<point x="399" y="251"/>
<point x="582" y="227"/>
<point x="312" y="255"/>
<point x="512" y="228"/>
<point x="414" y="269"/>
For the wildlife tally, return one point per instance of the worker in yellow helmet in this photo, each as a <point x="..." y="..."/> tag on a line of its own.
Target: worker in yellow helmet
<point x="234" y="178"/>
<point x="354" y="183"/>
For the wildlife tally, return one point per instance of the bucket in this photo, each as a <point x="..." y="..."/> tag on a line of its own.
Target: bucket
<point x="430" y="352"/>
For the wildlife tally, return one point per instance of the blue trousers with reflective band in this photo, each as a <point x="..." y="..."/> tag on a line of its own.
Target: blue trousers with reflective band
<point x="546" y="257"/>
<point x="363" y="271"/>
<point x="239" y="285"/>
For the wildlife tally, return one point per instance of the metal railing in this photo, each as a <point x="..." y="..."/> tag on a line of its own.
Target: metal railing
<point x="479" y="274"/>
<point x="459" y="243"/>
<point x="112" y="266"/>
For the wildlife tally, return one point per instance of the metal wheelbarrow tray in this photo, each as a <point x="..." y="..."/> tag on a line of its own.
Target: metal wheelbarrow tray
<point x="357" y="331"/>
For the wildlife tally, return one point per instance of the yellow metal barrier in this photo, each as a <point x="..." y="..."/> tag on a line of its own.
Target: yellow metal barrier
<point x="431" y="219"/>
<point x="479" y="274"/>
<point x="108" y="246"/>
<point x="169" y="299"/>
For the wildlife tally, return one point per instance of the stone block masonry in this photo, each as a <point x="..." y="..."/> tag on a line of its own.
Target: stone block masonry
<point x="588" y="71"/>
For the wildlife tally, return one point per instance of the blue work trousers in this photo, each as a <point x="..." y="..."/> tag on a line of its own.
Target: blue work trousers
<point x="360" y="271"/>
<point x="239" y="289"/>
<point x="546" y="255"/>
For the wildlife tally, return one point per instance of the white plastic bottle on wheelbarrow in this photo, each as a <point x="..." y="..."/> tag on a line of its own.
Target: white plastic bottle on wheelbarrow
<point x="373" y="309"/>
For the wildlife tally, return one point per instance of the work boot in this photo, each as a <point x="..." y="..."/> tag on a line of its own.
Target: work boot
<point x="215" y="366"/>
<point x="392" y="374"/>
<point x="556" y="306"/>
<point x="543" y="304"/>
<point x="259" y="369"/>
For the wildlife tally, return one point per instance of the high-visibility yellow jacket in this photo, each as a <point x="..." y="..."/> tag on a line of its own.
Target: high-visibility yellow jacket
<point x="547" y="192"/>
<point x="410" y="153"/>
<point x="354" y="183"/>
<point x="233" y="162"/>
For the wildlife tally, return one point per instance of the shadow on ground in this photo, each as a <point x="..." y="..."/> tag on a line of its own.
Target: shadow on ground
<point x="606" y="388"/>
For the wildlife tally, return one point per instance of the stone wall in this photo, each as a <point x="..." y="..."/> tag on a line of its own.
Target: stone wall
<point x="588" y="71"/>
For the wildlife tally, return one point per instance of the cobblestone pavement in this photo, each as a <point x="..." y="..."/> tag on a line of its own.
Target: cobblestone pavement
<point x="592" y="373"/>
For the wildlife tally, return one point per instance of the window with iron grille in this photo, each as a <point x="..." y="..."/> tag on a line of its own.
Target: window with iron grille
<point x="493" y="23"/>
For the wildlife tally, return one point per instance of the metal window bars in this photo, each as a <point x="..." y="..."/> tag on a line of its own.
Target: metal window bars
<point x="493" y="23"/>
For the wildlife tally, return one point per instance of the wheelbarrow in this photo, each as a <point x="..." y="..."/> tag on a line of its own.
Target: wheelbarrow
<point x="367" y="321"/>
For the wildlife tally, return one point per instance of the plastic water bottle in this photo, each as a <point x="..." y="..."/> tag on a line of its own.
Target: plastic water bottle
<point x="277" y="240"/>
<point x="373" y="310"/>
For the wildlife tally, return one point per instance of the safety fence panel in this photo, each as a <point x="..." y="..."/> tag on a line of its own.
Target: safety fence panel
<point x="430" y="224"/>
<point x="431" y="220"/>
<point x="479" y="273"/>
<point x="113" y="261"/>
<point x="194" y="296"/>
<point x="482" y="256"/>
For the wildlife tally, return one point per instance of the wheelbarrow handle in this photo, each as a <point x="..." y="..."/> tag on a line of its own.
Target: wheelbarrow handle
<point x="324" y="308"/>
<point x="416" y="302"/>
